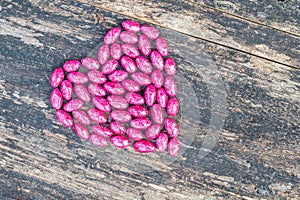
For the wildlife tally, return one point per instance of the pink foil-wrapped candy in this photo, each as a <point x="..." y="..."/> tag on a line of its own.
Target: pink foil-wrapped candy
<point x="170" y="86"/>
<point x="103" y="54"/>
<point x="74" y="104"/>
<point x="117" y="128"/>
<point x="138" y="111"/>
<point x="157" y="60"/>
<point x="153" y="131"/>
<point x="82" y="93"/>
<point x="98" y="140"/>
<point x="170" y="67"/>
<point x="110" y="66"/>
<point x="120" y="141"/>
<point x="151" y="32"/>
<point x="90" y="63"/>
<point x="131" y="86"/>
<point x="157" y="114"/>
<point x="134" y="98"/>
<point x="162" y="142"/>
<point x="116" y="51"/>
<point x="77" y="77"/>
<point x="82" y="131"/>
<point x="128" y="64"/>
<point x="128" y="37"/>
<point x="162" y="97"/>
<point x="134" y="134"/>
<point x="118" y="76"/>
<point x="162" y="46"/>
<point x="112" y="35"/>
<point x="114" y="88"/>
<point x="140" y="123"/>
<point x="101" y="104"/>
<point x="144" y="146"/>
<point x="144" y="45"/>
<point x="64" y="118"/>
<point x="57" y="77"/>
<point x="157" y="78"/>
<point x="96" y="76"/>
<point x="130" y="25"/>
<point x="81" y="117"/>
<point x="96" y="90"/>
<point x="130" y="50"/>
<point x="150" y="95"/>
<point x="141" y="78"/>
<point x="71" y="65"/>
<point x="66" y="89"/>
<point x="173" y="146"/>
<point x="117" y="102"/>
<point x="56" y="99"/>
<point x="120" y="116"/>
<point x="171" y="127"/>
<point x="97" y="115"/>
<point x="172" y="107"/>
<point x="143" y="64"/>
<point x="102" y="130"/>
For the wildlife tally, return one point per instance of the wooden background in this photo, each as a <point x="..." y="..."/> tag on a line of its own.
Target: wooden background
<point x="255" y="46"/>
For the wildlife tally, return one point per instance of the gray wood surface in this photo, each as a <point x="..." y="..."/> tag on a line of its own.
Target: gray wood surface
<point x="257" y="152"/>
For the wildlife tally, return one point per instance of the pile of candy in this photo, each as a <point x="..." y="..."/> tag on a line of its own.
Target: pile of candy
<point x="131" y="88"/>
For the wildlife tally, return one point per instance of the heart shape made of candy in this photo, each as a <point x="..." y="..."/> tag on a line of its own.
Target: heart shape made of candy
<point x="130" y="87"/>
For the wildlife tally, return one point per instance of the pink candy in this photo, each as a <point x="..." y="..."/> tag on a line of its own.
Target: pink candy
<point x="140" y="123"/>
<point x="144" y="146"/>
<point x="132" y="92"/>
<point x="78" y="77"/>
<point x="157" y="114"/>
<point x="120" y="116"/>
<point x="90" y="63"/>
<point x="96" y="76"/>
<point x="134" y="98"/>
<point x="82" y="93"/>
<point x="81" y="117"/>
<point x="120" y="141"/>
<point x="56" y="99"/>
<point x="66" y="89"/>
<point x="103" y="54"/>
<point x="150" y="95"/>
<point x="130" y="25"/>
<point x="101" y="104"/>
<point x="117" y="127"/>
<point x="143" y="64"/>
<point x="71" y="65"/>
<point x="112" y="35"/>
<point x="128" y="37"/>
<point x="150" y="32"/>
<point x="102" y="130"/>
<point x="171" y="127"/>
<point x="173" y="146"/>
<point x="64" y="118"/>
<point x="57" y="77"/>
<point x="97" y="116"/>
<point x="82" y="131"/>
<point x="74" y="104"/>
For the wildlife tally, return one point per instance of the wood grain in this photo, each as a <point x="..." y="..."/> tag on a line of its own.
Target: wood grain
<point x="212" y="26"/>
<point x="257" y="155"/>
<point x="279" y="14"/>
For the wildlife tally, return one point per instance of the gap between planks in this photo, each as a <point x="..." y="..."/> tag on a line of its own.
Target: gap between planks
<point x="242" y="18"/>
<point x="190" y="35"/>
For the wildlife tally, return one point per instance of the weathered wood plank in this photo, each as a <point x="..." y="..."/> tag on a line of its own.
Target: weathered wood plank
<point x="280" y="14"/>
<point x="256" y="156"/>
<point x="210" y="25"/>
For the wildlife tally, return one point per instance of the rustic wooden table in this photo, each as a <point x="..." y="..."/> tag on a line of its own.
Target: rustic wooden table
<point x="255" y="47"/>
